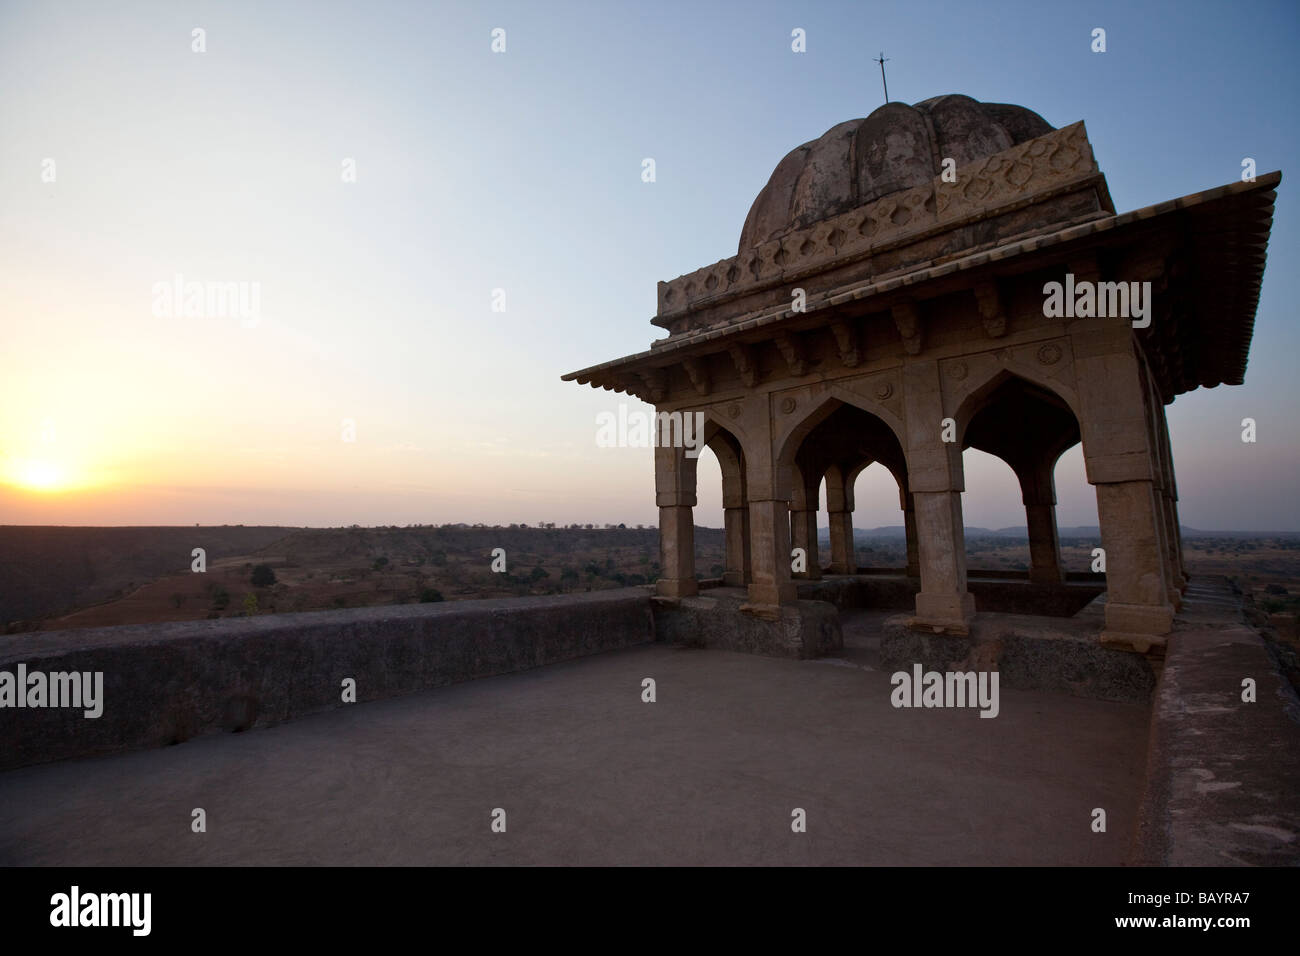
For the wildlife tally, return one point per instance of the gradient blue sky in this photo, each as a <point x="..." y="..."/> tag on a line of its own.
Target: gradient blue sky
<point x="522" y="171"/>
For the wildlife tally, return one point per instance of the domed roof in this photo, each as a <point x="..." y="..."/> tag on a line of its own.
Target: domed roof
<point x="897" y="147"/>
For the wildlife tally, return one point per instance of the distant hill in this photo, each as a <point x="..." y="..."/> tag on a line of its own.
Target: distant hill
<point x="49" y="570"/>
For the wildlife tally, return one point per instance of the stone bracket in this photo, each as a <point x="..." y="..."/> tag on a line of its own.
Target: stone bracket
<point x="793" y="354"/>
<point x="743" y="356"/>
<point x="907" y="318"/>
<point x="846" y="339"/>
<point x="992" y="312"/>
<point x="656" y="383"/>
<point x="699" y="373"/>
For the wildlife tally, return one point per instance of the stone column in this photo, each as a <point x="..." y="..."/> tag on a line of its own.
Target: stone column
<point x="1121" y="463"/>
<point x="1038" y="491"/>
<point x="771" y="586"/>
<point x="735" y="517"/>
<point x="1175" y="531"/>
<point x="944" y="604"/>
<point x="736" y="524"/>
<point x="803" y="525"/>
<point x="1138" y="611"/>
<point x="934" y="478"/>
<point x="675" y="495"/>
<point x="909" y="529"/>
<point x="677" y="551"/>
<point x="839" y="508"/>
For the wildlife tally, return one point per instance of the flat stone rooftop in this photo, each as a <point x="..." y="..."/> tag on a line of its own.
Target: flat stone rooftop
<point x="589" y="774"/>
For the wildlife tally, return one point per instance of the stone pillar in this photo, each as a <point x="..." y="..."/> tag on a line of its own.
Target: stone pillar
<point x="803" y="525"/>
<point x="735" y="517"/>
<point x="1138" y="612"/>
<point x="1175" y="531"/>
<point x="909" y="529"/>
<point x="1038" y="491"/>
<point x="934" y="478"/>
<point x="1122" y="466"/>
<point x="736" y="525"/>
<point x="1169" y="540"/>
<point x="1044" y="543"/>
<point x="675" y="495"/>
<point x="943" y="604"/>
<point x="771" y="586"/>
<point x="839" y="508"/>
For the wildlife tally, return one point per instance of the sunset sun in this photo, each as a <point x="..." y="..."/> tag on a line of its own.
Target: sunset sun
<point x="39" y="475"/>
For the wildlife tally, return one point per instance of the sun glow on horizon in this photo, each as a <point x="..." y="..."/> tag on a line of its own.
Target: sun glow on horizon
<point x="33" y="474"/>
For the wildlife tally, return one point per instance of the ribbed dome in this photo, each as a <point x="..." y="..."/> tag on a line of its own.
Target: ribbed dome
<point x="895" y="148"/>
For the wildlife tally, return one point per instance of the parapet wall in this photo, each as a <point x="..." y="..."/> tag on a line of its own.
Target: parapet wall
<point x="166" y="683"/>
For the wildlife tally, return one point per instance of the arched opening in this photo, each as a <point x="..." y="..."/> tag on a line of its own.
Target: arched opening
<point x="880" y="531"/>
<point x="710" y="534"/>
<point x="685" y="557"/>
<point x="1018" y="427"/>
<point x="841" y="442"/>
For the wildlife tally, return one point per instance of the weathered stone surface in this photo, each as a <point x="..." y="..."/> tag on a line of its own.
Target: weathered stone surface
<point x="896" y="148"/>
<point x="1031" y="653"/>
<point x="166" y="683"/>
<point x="1223" y="775"/>
<point x="804" y="629"/>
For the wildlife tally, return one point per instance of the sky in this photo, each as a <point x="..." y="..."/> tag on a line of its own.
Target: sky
<point x="368" y="173"/>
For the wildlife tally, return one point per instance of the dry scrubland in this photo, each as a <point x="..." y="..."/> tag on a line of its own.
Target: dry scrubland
<point x="90" y="577"/>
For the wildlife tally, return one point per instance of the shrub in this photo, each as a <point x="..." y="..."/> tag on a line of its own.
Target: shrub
<point x="263" y="576"/>
<point x="430" y="596"/>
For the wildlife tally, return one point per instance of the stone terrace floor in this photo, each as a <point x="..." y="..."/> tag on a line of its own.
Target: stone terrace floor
<point x="589" y="774"/>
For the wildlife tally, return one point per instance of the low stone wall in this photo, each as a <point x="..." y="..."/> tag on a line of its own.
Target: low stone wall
<point x="1030" y="653"/>
<point x="163" y="684"/>
<point x="1223" y="773"/>
<point x="805" y="629"/>
<point x="898" y="592"/>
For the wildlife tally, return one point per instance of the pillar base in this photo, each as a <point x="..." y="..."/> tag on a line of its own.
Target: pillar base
<point x="1153" y="644"/>
<point x="944" y="613"/>
<point x="768" y="594"/>
<point x="1046" y="576"/>
<point x="677" y="587"/>
<point x="764" y="612"/>
<point x="1151" y="619"/>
